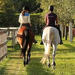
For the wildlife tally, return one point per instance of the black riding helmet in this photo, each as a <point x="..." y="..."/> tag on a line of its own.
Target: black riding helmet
<point x="25" y="8"/>
<point x="51" y="8"/>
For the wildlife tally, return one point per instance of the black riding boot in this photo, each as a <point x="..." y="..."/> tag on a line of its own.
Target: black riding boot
<point x="60" y="37"/>
<point x="61" y="42"/>
<point x="41" y="43"/>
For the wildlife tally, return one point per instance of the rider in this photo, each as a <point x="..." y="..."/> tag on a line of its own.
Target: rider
<point x="24" y="19"/>
<point x="51" y="20"/>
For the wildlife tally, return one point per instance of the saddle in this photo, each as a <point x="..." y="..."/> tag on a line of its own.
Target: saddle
<point x="20" y="34"/>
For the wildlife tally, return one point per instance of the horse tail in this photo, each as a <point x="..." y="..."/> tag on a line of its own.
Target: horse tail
<point x="25" y="41"/>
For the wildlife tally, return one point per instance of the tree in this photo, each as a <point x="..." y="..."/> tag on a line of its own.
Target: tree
<point x="33" y="4"/>
<point x="7" y="13"/>
<point x="63" y="8"/>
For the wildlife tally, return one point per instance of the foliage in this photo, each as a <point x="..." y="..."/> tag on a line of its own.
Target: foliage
<point x="8" y="21"/>
<point x="32" y="4"/>
<point x="8" y="8"/>
<point x="63" y="8"/>
<point x="36" y="22"/>
<point x="6" y="13"/>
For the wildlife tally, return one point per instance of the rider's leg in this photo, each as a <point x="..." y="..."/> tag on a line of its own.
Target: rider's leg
<point x="61" y="42"/>
<point x="41" y="43"/>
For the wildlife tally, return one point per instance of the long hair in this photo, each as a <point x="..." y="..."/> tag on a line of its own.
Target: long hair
<point x="25" y="9"/>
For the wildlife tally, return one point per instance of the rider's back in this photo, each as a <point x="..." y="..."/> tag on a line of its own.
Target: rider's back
<point x="24" y="18"/>
<point x="51" y="19"/>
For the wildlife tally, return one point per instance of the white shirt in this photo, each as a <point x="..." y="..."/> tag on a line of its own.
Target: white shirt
<point x="24" y="19"/>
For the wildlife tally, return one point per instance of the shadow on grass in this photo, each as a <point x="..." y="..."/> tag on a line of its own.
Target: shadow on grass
<point x="66" y="58"/>
<point x="36" y="68"/>
<point x="2" y="71"/>
<point x="15" y="48"/>
<point x="3" y="67"/>
<point x="37" y="48"/>
<point x="70" y="49"/>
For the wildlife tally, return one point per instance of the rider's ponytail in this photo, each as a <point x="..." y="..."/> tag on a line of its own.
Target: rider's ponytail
<point x="24" y="9"/>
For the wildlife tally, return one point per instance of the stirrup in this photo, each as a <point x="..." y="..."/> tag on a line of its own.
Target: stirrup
<point x="61" y="42"/>
<point x="41" y="43"/>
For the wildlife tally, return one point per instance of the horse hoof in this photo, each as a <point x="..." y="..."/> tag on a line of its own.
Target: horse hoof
<point x="53" y="67"/>
<point x="53" y="64"/>
<point x="49" y="65"/>
<point x="24" y="63"/>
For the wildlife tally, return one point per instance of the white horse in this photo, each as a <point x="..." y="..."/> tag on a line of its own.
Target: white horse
<point x="50" y="38"/>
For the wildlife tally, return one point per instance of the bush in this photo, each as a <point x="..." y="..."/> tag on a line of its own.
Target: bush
<point x="36" y="23"/>
<point x="8" y="20"/>
<point x="11" y="20"/>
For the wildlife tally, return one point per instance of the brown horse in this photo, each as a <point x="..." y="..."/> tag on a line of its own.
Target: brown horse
<point x="25" y="39"/>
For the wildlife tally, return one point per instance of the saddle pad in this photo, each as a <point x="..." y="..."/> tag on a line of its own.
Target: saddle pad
<point x="20" y="32"/>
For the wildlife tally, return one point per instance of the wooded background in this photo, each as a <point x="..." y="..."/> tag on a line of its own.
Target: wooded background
<point x="10" y="9"/>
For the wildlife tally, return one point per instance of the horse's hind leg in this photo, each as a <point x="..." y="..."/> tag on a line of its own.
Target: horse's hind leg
<point x="24" y="54"/>
<point x="53" y="55"/>
<point x="25" y="44"/>
<point x="48" y="54"/>
<point x="46" y="57"/>
<point x="28" y="52"/>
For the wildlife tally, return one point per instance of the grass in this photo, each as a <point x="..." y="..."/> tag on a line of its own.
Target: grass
<point x="65" y="60"/>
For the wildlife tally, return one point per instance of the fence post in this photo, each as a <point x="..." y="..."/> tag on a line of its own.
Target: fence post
<point x="70" y="31"/>
<point x="3" y="43"/>
<point x="61" y="28"/>
<point x="13" y="38"/>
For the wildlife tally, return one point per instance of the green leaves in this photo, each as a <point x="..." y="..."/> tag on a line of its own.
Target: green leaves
<point x="65" y="9"/>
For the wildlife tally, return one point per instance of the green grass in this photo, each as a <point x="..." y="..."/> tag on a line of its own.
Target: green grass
<point x="65" y="60"/>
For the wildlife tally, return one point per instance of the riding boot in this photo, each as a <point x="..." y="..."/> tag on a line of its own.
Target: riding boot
<point x="41" y="43"/>
<point x="34" y="41"/>
<point x="61" y="42"/>
<point x="60" y="37"/>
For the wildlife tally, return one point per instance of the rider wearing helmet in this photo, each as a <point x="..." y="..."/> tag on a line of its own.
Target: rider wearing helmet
<point x="24" y="19"/>
<point x="51" y="20"/>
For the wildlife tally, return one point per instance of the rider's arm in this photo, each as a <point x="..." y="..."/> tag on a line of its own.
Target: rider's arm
<point x="56" y="21"/>
<point x="46" y="20"/>
<point x="19" y="20"/>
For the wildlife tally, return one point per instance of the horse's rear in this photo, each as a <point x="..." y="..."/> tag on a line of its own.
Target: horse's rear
<point x="20" y="35"/>
<point x="25" y="39"/>
<point x="50" y="37"/>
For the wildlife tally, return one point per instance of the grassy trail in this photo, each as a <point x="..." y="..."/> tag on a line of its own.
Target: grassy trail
<point x="65" y="61"/>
